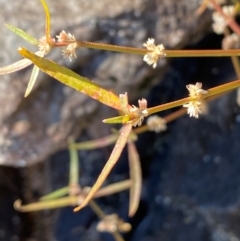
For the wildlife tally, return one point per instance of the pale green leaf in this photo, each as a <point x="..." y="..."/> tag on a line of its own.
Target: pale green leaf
<point x="56" y="194"/>
<point x="113" y="188"/>
<point x="22" y="34"/>
<point x="74" y="164"/>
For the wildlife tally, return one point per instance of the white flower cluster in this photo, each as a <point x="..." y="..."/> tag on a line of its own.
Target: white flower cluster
<point x="112" y="223"/>
<point x="231" y="41"/>
<point x="44" y="46"/>
<point x="136" y="114"/>
<point x="156" y="123"/>
<point x="69" y="51"/>
<point x="219" y="22"/>
<point x="196" y="106"/>
<point x="139" y="112"/>
<point x="155" y="52"/>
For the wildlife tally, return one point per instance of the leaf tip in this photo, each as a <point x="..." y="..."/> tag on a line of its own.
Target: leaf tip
<point x="78" y="208"/>
<point x="20" y="50"/>
<point x="26" y="94"/>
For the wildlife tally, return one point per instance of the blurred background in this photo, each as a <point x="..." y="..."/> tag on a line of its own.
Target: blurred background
<point x="190" y="172"/>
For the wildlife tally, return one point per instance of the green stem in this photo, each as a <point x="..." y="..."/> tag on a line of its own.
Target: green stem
<point x="49" y="204"/>
<point x="213" y="91"/>
<point x="56" y="194"/>
<point x="203" y="53"/>
<point x="109" y="47"/>
<point x="169" y="53"/>
<point x="74" y="165"/>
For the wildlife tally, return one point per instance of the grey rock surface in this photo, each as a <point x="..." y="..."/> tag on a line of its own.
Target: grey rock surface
<point x="36" y="127"/>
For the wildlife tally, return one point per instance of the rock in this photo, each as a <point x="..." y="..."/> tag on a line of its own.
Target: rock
<point x="36" y="127"/>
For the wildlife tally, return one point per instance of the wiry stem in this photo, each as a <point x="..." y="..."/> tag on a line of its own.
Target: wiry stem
<point x="213" y="91"/>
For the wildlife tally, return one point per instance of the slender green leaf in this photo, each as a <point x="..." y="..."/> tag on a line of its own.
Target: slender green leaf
<point x="68" y="77"/>
<point x="113" y="188"/>
<point x="98" y="143"/>
<point x="117" y="150"/>
<point x="74" y="167"/>
<point x="56" y="194"/>
<point x="22" y="34"/>
<point x="136" y="178"/>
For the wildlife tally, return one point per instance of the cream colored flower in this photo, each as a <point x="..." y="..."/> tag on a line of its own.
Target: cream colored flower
<point x="197" y="105"/>
<point x="136" y="114"/>
<point x="195" y="108"/>
<point x="155" y="52"/>
<point x="231" y="41"/>
<point x="112" y="223"/>
<point x="139" y="113"/>
<point x="196" y="90"/>
<point x="219" y="22"/>
<point x="64" y="37"/>
<point x="156" y="123"/>
<point x="43" y="45"/>
<point x="69" y="51"/>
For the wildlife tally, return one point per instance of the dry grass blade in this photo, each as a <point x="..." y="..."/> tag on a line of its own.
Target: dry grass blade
<point x="117" y="150"/>
<point x="32" y="80"/>
<point x="21" y="64"/>
<point x="136" y="178"/>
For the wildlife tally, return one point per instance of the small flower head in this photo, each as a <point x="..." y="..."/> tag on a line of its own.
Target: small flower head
<point x="231" y="41"/>
<point x="69" y="51"/>
<point x="64" y="37"/>
<point x="196" y="90"/>
<point x="156" y="123"/>
<point x="219" y="22"/>
<point x="136" y="114"/>
<point x="112" y="223"/>
<point x="197" y="105"/>
<point x="155" y="52"/>
<point x="44" y="46"/>
<point x="194" y="108"/>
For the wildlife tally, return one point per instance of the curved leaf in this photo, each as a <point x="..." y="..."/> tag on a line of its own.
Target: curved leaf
<point x="117" y="150"/>
<point x="136" y="178"/>
<point x="47" y="19"/>
<point x="68" y="77"/>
